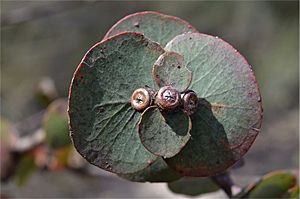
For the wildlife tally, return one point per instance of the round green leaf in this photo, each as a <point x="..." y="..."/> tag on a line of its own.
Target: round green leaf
<point x="158" y="171"/>
<point x="193" y="186"/>
<point x="164" y="133"/>
<point x="272" y="185"/>
<point x="229" y="113"/>
<point x="103" y="124"/>
<point x="55" y="124"/>
<point x="169" y="70"/>
<point x="276" y="184"/>
<point x="155" y="26"/>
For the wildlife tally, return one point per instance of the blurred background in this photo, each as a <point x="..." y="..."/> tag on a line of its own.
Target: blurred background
<point x="45" y="39"/>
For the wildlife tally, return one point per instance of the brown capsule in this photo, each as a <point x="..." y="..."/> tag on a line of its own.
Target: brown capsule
<point x="190" y="102"/>
<point x="140" y="99"/>
<point x="168" y="98"/>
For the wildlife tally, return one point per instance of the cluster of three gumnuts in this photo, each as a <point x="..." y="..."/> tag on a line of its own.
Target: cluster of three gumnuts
<point x="167" y="98"/>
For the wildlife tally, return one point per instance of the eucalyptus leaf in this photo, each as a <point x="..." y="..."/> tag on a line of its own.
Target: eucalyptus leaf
<point x="55" y="124"/>
<point x="103" y="123"/>
<point x="158" y="171"/>
<point x="164" y="133"/>
<point x="193" y="186"/>
<point x="169" y="70"/>
<point x="155" y="26"/>
<point x="272" y="185"/>
<point x="229" y="112"/>
<point x="25" y="169"/>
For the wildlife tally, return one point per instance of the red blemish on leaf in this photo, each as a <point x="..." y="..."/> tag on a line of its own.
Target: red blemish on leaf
<point x="218" y="109"/>
<point x="150" y="162"/>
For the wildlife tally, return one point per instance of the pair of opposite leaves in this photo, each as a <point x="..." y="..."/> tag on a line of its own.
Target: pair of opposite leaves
<point x="104" y="126"/>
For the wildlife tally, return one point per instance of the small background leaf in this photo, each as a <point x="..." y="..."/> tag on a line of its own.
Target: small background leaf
<point x="193" y="186"/>
<point x="46" y="91"/>
<point x="163" y="133"/>
<point x="155" y="26"/>
<point x="25" y="169"/>
<point x="158" y="171"/>
<point x="55" y="124"/>
<point x="169" y="70"/>
<point x="272" y="185"/>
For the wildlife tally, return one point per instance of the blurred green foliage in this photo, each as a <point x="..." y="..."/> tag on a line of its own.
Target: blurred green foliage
<point x="55" y="124"/>
<point x="25" y="169"/>
<point x="273" y="185"/>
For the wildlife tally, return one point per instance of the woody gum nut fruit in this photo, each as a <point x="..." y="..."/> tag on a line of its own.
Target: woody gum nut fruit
<point x="140" y="99"/>
<point x="168" y="98"/>
<point x="190" y="102"/>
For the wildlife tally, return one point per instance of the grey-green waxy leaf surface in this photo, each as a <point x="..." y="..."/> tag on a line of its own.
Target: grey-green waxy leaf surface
<point x="193" y="186"/>
<point x="158" y="171"/>
<point x="169" y="70"/>
<point x="229" y="113"/>
<point x="103" y="124"/>
<point x="163" y="133"/>
<point x="155" y="26"/>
